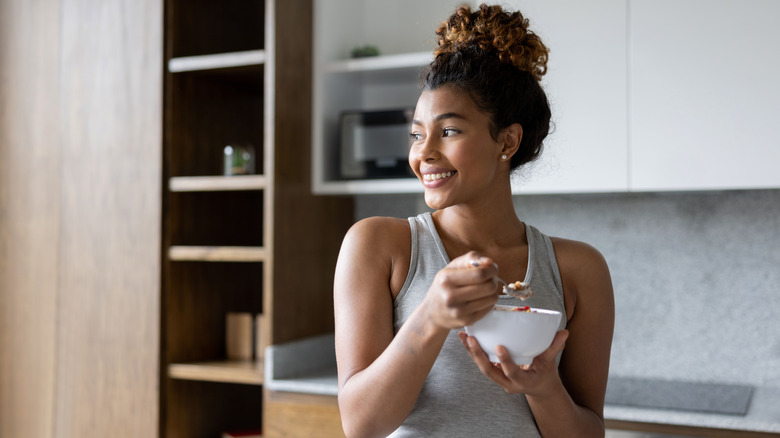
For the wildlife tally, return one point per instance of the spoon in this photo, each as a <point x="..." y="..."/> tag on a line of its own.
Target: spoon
<point x="517" y="289"/>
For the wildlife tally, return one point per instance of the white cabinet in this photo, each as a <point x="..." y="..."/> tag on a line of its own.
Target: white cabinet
<point x="403" y="31"/>
<point x="705" y="94"/>
<point x="646" y="94"/>
<point x="586" y="85"/>
<point x="587" y="88"/>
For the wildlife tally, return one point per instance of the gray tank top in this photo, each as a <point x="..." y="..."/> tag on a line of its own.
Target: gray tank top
<point x="456" y="399"/>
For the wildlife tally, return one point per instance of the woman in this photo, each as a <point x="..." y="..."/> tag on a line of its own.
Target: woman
<point x="405" y="288"/>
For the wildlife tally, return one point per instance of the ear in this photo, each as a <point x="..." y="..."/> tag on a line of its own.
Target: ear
<point x="510" y="138"/>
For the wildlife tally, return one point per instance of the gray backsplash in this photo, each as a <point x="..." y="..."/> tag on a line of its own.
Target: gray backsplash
<point x="696" y="275"/>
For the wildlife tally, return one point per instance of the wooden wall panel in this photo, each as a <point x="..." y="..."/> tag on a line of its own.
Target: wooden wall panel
<point x="308" y="229"/>
<point x="29" y="215"/>
<point x="108" y="305"/>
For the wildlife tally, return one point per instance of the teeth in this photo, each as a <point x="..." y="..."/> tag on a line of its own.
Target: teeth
<point x="435" y="176"/>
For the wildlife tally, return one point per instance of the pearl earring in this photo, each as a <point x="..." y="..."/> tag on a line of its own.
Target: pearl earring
<point x="503" y="156"/>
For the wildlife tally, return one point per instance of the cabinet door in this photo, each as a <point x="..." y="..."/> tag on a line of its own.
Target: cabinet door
<point x="704" y="94"/>
<point x="586" y="86"/>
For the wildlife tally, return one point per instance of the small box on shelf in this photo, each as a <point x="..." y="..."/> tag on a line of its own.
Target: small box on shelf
<point x="239" y="336"/>
<point x="243" y="336"/>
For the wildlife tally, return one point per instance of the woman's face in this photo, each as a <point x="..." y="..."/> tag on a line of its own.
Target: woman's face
<point x="452" y="151"/>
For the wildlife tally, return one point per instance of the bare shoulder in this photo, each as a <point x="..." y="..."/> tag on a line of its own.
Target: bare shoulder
<point x="379" y="227"/>
<point x="576" y="255"/>
<point x="584" y="271"/>
<point x="379" y="247"/>
<point x="380" y="236"/>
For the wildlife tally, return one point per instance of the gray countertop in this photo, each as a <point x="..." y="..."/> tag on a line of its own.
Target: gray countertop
<point x="309" y="366"/>
<point x="305" y="366"/>
<point x="763" y="415"/>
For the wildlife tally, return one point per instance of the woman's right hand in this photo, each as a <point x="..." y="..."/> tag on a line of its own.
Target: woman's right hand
<point x="463" y="292"/>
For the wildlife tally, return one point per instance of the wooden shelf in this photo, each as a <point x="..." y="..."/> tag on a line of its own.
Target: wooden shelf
<point x="217" y="253"/>
<point x="217" y="183"/>
<point x="216" y="61"/>
<point x="231" y="371"/>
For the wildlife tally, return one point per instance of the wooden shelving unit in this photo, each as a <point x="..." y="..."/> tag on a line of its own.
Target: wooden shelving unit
<point x="216" y="231"/>
<point x="238" y="71"/>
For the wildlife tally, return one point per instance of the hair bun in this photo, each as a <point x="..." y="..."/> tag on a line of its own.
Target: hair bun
<point x="494" y="30"/>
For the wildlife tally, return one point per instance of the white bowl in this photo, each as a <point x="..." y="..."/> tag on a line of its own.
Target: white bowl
<point x="524" y="334"/>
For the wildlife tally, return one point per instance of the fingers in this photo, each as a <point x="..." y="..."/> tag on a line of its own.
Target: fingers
<point x="471" y="259"/>
<point x="547" y="356"/>
<point x="470" y="269"/>
<point x="468" y="312"/>
<point x="492" y="371"/>
<point x="468" y="279"/>
<point x="546" y="360"/>
<point x="475" y="351"/>
<point x="508" y="365"/>
<point x="475" y="264"/>
<point x="514" y="378"/>
<point x="464" y="291"/>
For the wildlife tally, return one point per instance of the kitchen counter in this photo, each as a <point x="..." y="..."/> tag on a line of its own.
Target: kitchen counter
<point x="308" y="366"/>
<point x="763" y="415"/>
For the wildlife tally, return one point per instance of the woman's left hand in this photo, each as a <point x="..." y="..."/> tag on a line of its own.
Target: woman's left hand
<point x="537" y="378"/>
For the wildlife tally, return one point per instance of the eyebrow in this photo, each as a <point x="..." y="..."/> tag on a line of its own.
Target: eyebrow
<point x="441" y="117"/>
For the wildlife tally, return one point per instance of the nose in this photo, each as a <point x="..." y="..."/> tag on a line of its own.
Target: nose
<point x="426" y="150"/>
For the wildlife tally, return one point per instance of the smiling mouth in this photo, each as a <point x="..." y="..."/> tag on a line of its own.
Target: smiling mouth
<point x="428" y="177"/>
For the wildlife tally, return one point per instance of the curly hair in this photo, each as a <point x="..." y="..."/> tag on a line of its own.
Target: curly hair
<point x="493" y="56"/>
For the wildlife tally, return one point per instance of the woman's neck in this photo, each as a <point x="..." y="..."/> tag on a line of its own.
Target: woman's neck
<point x="486" y="228"/>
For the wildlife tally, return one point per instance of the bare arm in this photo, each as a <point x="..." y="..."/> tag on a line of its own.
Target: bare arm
<point x="567" y="400"/>
<point x="381" y="375"/>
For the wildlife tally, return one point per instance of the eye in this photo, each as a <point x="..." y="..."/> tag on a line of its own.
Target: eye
<point x="415" y="136"/>
<point x="449" y="132"/>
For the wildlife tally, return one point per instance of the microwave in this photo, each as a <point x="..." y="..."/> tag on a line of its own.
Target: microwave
<point x="375" y="144"/>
